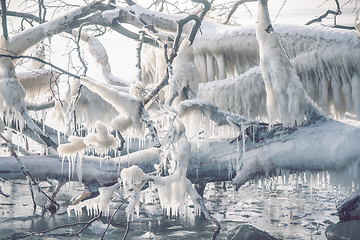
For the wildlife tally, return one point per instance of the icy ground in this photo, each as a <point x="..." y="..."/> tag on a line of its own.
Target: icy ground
<point x="286" y="211"/>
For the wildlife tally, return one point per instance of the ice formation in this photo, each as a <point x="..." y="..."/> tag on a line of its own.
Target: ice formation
<point x="11" y="89"/>
<point x="185" y="82"/>
<point x="40" y="199"/>
<point x="90" y="105"/>
<point x="287" y="102"/>
<point x="172" y="189"/>
<point x="76" y="145"/>
<point x="39" y="84"/>
<point x="101" y="140"/>
<point x="127" y="105"/>
<point x="98" y="51"/>
<point x="326" y="60"/>
<point x="96" y="205"/>
<point x="244" y="95"/>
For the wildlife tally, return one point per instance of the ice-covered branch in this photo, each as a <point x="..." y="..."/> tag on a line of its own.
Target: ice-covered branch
<point x="98" y="51"/>
<point x="287" y="100"/>
<point x="127" y="105"/>
<point x="309" y="149"/>
<point x="24" y="40"/>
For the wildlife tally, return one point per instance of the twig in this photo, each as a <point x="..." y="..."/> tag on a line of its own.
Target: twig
<point x="42" y="61"/>
<point x="234" y="8"/>
<point x="88" y="223"/>
<point x="55" y="228"/>
<point x="102" y="236"/>
<point x="320" y="18"/>
<point x="79" y="51"/>
<point x="127" y="230"/>
<point x="3" y="19"/>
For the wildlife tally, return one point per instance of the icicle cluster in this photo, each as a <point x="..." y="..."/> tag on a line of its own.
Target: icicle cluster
<point x="173" y="189"/>
<point x="185" y="83"/>
<point x="95" y="205"/>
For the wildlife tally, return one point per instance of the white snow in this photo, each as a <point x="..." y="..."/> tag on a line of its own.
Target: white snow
<point x="76" y="145"/>
<point x="109" y="15"/>
<point x="101" y="140"/>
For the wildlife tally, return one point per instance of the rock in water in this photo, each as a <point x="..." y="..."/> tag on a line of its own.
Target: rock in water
<point x="248" y="232"/>
<point x="349" y="208"/>
<point x="343" y="230"/>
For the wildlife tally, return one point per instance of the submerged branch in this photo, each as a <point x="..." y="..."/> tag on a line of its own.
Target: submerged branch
<point x="58" y="227"/>
<point x="102" y="236"/>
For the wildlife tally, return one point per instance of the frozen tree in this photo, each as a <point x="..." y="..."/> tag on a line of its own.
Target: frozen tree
<point x="279" y="91"/>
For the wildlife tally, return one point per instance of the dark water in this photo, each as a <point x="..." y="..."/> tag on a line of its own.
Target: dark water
<point x="287" y="211"/>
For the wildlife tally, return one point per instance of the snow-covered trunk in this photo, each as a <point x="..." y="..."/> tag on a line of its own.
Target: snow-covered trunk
<point x="287" y="100"/>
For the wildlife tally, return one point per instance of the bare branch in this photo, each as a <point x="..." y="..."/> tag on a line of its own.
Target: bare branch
<point x="22" y="15"/>
<point x="3" y="19"/>
<point x="42" y="61"/>
<point x="234" y="8"/>
<point x="335" y="13"/>
<point x="102" y="236"/>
